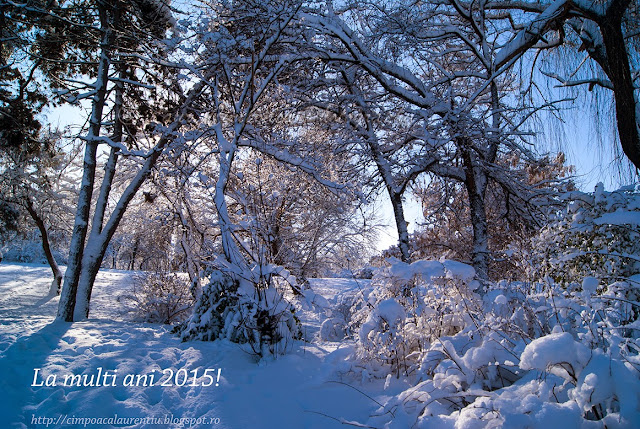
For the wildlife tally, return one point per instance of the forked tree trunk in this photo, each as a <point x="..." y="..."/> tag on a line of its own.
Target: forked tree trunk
<point x="229" y="248"/>
<point x="93" y="252"/>
<point x="85" y="257"/>
<point x="97" y="246"/>
<point x="76" y="249"/>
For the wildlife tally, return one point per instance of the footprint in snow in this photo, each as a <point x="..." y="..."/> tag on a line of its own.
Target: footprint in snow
<point x="69" y="339"/>
<point x="156" y="356"/>
<point x="154" y="395"/>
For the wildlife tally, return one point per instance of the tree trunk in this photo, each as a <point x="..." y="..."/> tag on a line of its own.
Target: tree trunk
<point x="231" y="252"/>
<point x="192" y="266"/>
<point x="132" y="259"/>
<point x="476" y="185"/>
<point x="384" y="170"/>
<point x="85" y="263"/>
<point x="185" y="243"/>
<point x="619" y="74"/>
<point x="90" y="267"/>
<point x="92" y="255"/>
<point x="67" y="302"/>
<point x="401" y="225"/>
<point x="46" y="247"/>
<point x="97" y="247"/>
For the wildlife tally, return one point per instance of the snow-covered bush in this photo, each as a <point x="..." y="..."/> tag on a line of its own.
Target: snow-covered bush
<point x="158" y="297"/>
<point x="25" y="250"/>
<point x="522" y="355"/>
<point x="598" y="235"/>
<point x="365" y="272"/>
<point x="333" y="329"/>
<point x="407" y="307"/>
<point x="246" y="312"/>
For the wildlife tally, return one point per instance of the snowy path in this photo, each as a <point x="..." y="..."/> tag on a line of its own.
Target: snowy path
<point x="293" y="391"/>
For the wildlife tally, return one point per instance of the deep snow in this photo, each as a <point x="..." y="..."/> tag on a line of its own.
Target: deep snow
<point x="300" y="389"/>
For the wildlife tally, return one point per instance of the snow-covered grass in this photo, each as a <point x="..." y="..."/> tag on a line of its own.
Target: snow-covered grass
<point x="300" y="389"/>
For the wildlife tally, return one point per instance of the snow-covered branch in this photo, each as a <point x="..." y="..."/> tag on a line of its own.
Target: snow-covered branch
<point x="553" y="15"/>
<point x="289" y="158"/>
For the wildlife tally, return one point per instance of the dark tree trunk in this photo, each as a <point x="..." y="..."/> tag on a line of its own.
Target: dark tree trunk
<point x="476" y="185"/>
<point x="46" y="247"/>
<point x="619" y="73"/>
<point x="134" y="253"/>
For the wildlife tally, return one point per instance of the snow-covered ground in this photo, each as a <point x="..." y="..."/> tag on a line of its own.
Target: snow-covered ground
<point x="299" y="390"/>
<point x="512" y="358"/>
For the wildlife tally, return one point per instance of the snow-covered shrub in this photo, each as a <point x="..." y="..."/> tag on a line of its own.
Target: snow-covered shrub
<point x="598" y="235"/>
<point x="25" y="250"/>
<point x="218" y="298"/>
<point x="158" y="297"/>
<point x="408" y="307"/>
<point x="333" y="329"/>
<point x="539" y="355"/>
<point x="28" y="248"/>
<point x="365" y="272"/>
<point x="247" y="312"/>
<point x="563" y="350"/>
<point x="522" y="355"/>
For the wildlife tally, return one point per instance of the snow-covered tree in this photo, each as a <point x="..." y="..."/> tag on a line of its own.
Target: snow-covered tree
<point x="289" y="219"/>
<point x="109" y="55"/>
<point x="249" y="47"/>
<point x="603" y="36"/>
<point x="439" y="81"/>
<point x="31" y="160"/>
<point x="373" y="131"/>
<point x="446" y="231"/>
<point x="125" y="34"/>
<point x="34" y="186"/>
<point x="184" y="195"/>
